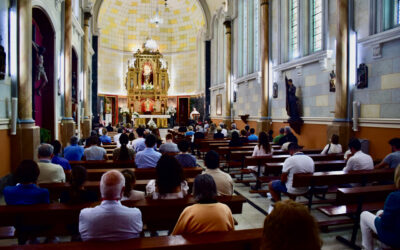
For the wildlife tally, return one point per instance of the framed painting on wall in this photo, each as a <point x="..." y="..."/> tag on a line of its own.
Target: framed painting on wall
<point x="219" y="104"/>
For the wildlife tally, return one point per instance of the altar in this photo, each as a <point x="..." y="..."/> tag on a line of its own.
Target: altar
<point x="147" y="85"/>
<point x="160" y="120"/>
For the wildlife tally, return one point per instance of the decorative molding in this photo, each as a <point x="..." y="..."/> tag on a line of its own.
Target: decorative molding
<point x="308" y="120"/>
<point x="379" y="122"/>
<point x="321" y="57"/>
<point x="377" y="40"/>
<point x="58" y="4"/>
<point x="4" y="124"/>
<point x="247" y="78"/>
<point x="217" y="87"/>
<point x="77" y="26"/>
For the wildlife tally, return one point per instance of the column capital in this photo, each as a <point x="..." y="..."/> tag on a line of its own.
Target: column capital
<point x="264" y="2"/>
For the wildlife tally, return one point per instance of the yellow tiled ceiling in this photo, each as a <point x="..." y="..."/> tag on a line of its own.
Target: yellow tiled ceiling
<point x="126" y="22"/>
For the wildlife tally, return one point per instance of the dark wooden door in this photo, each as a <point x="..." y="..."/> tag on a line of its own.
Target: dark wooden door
<point x="183" y="111"/>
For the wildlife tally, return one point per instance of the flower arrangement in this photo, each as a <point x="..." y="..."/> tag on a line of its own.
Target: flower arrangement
<point x="135" y="114"/>
<point x="152" y="124"/>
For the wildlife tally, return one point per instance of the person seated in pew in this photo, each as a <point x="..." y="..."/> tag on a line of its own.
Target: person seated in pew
<point x="110" y="221"/>
<point x="386" y="223"/>
<point x="116" y="137"/>
<point x="243" y="136"/>
<point x="73" y="152"/>
<point x="88" y="142"/>
<point x="212" y="130"/>
<point x="247" y="128"/>
<point x="223" y="180"/>
<point x="252" y="136"/>
<point x="26" y="192"/>
<point x="298" y="162"/>
<point x="49" y="172"/>
<point x="219" y="134"/>
<point x="131" y="139"/>
<point x="77" y="194"/>
<point x="278" y="137"/>
<point x="270" y="135"/>
<point x="185" y="159"/>
<point x="148" y="158"/>
<point x="392" y="160"/>
<point x="123" y="153"/>
<point x="358" y="160"/>
<point x="105" y="139"/>
<point x="129" y="192"/>
<point x="235" y="140"/>
<point x="224" y="131"/>
<point x="169" y="183"/>
<point x="288" y="137"/>
<point x="94" y="152"/>
<point x="334" y="147"/>
<point x="290" y="226"/>
<point x="190" y="132"/>
<point x="207" y="215"/>
<point x="263" y="148"/>
<point x="109" y="127"/>
<point x="58" y="159"/>
<point x="138" y="144"/>
<point x="169" y="146"/>
<point x="233" y="129"/>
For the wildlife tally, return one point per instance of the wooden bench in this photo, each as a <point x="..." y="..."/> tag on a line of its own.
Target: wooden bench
<point x="249" y="239"/>
<point x="352" y="201"/>
<point x="156" y="214"/>
<point x="141" y="173"/>
<point x="56" y="189"/>
<point x="109" y="164"/>
<point x="339" y="177"/>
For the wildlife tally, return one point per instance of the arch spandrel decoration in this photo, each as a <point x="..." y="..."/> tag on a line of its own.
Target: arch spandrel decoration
<point x="147" y="83"/>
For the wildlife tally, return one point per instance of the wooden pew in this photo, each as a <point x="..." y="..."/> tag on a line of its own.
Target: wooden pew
<point x="141" y="173"/>
<point x="352" y="201"/>
<point x="339" y="177"/>
<point x="56" y="189"/>
<point x="234" y="240"/>
<point x="57" y="216"/>
<point x="109" y="164"/>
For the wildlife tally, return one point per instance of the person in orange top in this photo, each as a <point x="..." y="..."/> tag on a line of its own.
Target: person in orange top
<point x="207" y="215"/>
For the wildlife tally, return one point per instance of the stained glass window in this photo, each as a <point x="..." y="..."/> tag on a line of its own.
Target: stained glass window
<point x="316" y="25"/>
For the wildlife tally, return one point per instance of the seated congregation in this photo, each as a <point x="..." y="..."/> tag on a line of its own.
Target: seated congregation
<point x="108" y="187"/>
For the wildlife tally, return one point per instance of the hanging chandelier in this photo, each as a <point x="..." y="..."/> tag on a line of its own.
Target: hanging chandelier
<point x="157" y="19"/>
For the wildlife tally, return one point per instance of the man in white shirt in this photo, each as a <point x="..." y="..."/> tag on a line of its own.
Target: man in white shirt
<point x="94" y="152"/>
<point x="49" y="172"/>
<point x="222" y="180"/>
<point x="116" y="137"/>
<point x="357" y="159"/>
<point x="295" y="164"/>
<point x="110" y="221"/>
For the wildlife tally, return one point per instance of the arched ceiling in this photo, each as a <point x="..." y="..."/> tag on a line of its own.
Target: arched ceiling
<point x="124" y="24"/>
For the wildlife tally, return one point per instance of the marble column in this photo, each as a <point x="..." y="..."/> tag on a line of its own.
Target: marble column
<point x="228" y="69"/>
<point x="67" y="123"/>
<point x="24" y="144"/>
<point x="341" y="126"/>
<point x="264" y="123"/>
<point x="86" y="125"/>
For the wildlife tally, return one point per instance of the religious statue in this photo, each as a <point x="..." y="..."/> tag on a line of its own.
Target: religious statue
<point x="275" y="90"/>
<point x="40" y="73"/>
<point x="362" y="76"/>
<point x="147" y="106"/>
<point x="292" y="106"/>
<point x="147" y="77"/>
<point x="332" y="81"/>
<point x="2" y="63"/>
<point x="157" y="107"/>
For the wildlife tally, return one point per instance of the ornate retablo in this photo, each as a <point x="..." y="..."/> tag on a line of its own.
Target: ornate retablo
<point x="147" y="81"/>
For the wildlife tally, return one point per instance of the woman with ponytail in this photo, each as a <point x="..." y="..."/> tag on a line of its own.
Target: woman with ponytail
<point x="123" y="153"/>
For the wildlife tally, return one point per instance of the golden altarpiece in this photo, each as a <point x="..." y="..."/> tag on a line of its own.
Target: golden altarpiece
<point x="147" y="85"/>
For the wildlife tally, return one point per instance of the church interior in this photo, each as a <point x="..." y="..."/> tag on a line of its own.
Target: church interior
<point x="326" y="72"/>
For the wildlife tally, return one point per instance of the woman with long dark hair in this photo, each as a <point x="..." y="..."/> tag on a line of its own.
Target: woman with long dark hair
<point x="263" y="148"/>
<point x="169" y="183"/>
<point x="208" y="215"/>
<point x="123" y="153"/>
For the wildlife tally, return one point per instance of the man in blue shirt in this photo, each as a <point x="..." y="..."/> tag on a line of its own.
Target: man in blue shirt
<point x="73" y="152"/>
<point x="392" y="160"/>
<point x="105" y="139"/>
<point x="26" y="193"/>
<point x="148" y="158"/>
<point x="185" y="159"/>
<point x="252" y="136"/>
<point x="58" y="159"/>
<point x="190" y="132"/>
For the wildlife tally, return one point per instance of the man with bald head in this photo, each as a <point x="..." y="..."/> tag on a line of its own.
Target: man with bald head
<point x="110" y="221"/>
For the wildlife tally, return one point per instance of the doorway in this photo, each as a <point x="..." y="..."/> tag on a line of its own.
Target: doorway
<point x="183" y="111"/>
